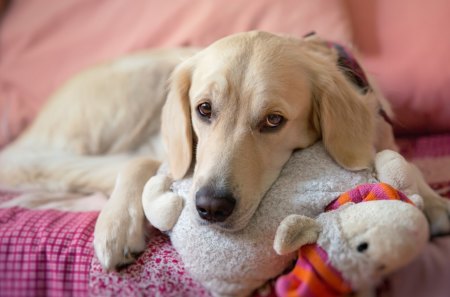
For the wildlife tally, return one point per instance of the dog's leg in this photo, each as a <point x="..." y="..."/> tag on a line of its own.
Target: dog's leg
<point x="161" y="207"/>
<point x="60" y="201"/>
<point x="394" y="169"/>
<point x="60" y="172"/>
<point x="120" y="230"/>
<point x="436" y="208"/>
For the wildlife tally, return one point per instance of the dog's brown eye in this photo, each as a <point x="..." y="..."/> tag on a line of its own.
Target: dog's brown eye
<point x="204" y="109"/>
<point x="273" y="120"/>
<point x="272" y="123"/>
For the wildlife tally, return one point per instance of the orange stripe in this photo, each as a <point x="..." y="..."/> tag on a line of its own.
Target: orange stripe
<point x="370" y="196"/>
<point x="398" y="195"/>
<point x="294" y="282"/>
<point x="325" y="271"/>
<point x="314" y="285"/>
<point x="344" y="198"/>
<point x="292" y="293"/>
<point x="390" y="191"/>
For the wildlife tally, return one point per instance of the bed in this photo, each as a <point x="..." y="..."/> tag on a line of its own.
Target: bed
<point x="49" y="252"/>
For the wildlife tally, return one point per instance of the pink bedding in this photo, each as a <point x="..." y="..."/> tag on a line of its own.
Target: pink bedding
<point x="44" y="253"/>
<point x="405" y="46"/>
<point x="49" y="252"/>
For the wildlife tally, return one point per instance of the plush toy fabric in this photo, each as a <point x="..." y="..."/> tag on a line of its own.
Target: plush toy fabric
<point x="368" y="192"/>
<point x="236" y="263"/>
<point x="314" y="274"/>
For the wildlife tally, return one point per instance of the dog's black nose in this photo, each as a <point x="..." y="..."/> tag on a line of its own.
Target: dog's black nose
<point x="213" y="205"/>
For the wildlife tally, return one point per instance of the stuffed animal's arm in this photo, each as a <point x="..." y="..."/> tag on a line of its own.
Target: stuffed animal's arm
<point x="161" y="206"/>
<point x="391" y="168"/>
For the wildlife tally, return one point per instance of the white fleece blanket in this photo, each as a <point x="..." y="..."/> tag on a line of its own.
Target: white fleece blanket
<point x="237" y="263"/>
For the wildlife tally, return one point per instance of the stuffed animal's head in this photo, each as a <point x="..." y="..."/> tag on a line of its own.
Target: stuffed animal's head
<point x="364" y="241"/>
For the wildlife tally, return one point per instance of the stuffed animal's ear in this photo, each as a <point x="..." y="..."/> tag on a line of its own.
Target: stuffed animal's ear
<point x="294" y="232"/>
<point x="176" y="124"/>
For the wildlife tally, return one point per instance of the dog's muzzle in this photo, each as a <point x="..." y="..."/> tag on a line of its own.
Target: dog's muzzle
<point x="214" y="205"/>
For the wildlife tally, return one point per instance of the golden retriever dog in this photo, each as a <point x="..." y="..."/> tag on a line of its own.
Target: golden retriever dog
<point x="233" y="114"/>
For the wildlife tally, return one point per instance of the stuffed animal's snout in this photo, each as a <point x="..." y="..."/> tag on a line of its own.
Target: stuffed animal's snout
<point x="387" y="234"/>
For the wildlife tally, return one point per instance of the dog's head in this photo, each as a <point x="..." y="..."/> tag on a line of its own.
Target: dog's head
<point x="239" y="108"/>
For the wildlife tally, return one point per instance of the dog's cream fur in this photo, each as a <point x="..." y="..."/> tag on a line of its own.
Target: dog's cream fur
<point x="105" y="123"/>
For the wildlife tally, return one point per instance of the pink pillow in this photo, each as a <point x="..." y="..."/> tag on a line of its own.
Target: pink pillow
<point x="406" y="46"/>
<point x="41" y="45"/>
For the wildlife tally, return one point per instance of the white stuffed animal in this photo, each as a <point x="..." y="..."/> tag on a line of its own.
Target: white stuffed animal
<point x="236" y="263"/>
<point x="352" y="247"/>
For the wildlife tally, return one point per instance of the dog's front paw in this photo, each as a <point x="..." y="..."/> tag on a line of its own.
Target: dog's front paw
<point x="119" y="237"/>
<point x="437" y="210"/>
<point x="435" y="207"/>
<point x="161" y="207"/>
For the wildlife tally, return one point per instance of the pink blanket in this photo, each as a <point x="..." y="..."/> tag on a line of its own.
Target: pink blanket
<point x="45" y="252"/>
<point x="49" y="252"/>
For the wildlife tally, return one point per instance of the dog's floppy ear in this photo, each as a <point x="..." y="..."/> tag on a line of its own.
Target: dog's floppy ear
<point x="176" y="122"/>
<point x="343" y="118"/>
